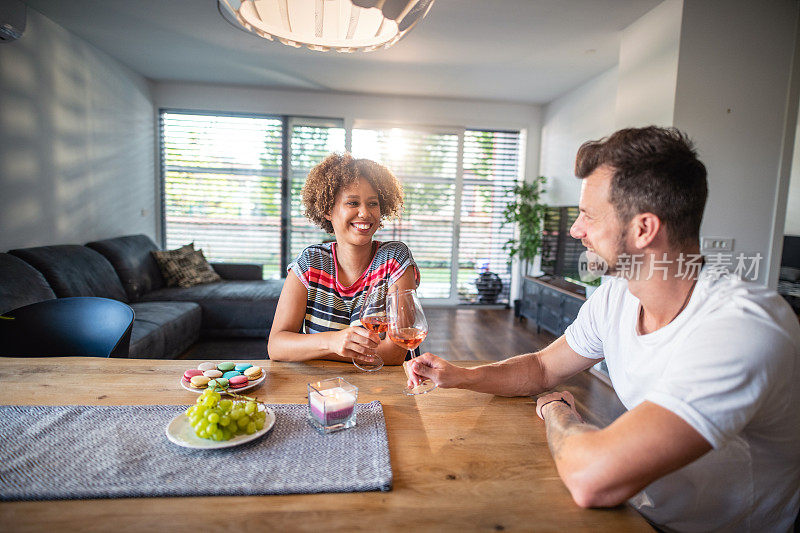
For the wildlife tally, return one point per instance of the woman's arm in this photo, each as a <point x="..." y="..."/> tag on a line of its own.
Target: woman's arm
<point x="286" y="344"/>
<point x="391" y="353"/>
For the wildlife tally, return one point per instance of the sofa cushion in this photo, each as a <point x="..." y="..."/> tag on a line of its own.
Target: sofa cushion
<point x="185" y="267"/>
<point x="230" y="308"/>
<point x="21" y="284"/>
<point x="73" y="270"/>
<point x="163" y="330"/>
<point x="130" y="257"/>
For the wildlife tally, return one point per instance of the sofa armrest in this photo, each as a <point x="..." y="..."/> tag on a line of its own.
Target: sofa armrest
<point x="238" y="271"/>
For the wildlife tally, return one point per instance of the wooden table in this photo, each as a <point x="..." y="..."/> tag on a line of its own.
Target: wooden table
<point x="462" y="461"/>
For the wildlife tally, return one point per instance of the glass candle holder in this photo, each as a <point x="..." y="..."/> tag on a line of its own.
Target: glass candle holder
<point x="332" y="405"/>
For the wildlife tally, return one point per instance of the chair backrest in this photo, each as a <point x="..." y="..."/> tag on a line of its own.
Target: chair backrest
<point x="83" y="326"/>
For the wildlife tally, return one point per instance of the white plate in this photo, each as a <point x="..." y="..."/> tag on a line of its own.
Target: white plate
<point x="250" y="385"/>
<point x="179" y="431"/>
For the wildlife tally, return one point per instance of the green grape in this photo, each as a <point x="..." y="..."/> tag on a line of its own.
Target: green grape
<point x="261" y="415"/>
<point x="250" y="408"/>
<point x="211" y="428"/>
<point x="225" y="405"/>
<point x="195" y="419"/>
<point x="226" y="434"/>
<point x="259" y="424"/>
<point x="224" y="420"/>
<point x="236" y="414"/>
<point x="202" y="433"/>
<point x="213" y="418"/>
<point x="201" y="410"/>
<point x="218" y="435"/>
<point x="208" y="402"/>
<point x="251" y="428"/>
<point x="243" y="421"/>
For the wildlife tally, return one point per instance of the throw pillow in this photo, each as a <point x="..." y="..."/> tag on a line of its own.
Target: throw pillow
<point x="185" y="267"/>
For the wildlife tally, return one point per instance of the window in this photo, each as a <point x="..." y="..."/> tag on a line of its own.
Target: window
<point x="456" y="187"/>
<point x="491" y="170"/>
<point x="232" y="185"/>
<point x="426" y="163"/>
<point x="311" y="141"/>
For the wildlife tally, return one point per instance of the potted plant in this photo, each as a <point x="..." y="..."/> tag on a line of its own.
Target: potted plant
<point x="527" y="212"/>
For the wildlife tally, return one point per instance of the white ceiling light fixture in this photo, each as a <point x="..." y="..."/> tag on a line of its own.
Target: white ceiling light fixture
<point x="341" y="25"/>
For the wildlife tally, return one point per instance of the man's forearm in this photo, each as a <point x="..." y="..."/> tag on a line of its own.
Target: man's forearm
<point x="522" y="375"/>
<point x="561" y="423"/>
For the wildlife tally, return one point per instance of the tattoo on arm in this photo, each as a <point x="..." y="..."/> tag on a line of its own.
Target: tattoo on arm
<point x="561" y="423"/>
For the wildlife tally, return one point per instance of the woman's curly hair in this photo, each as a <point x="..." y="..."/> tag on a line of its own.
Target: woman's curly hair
<point x="338" y="171"/>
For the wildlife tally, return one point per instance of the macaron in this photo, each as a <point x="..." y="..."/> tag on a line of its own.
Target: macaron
<point x="241" y="367"/>
<point x="226" y="366"/>
<point x="218" y="383"/>
<point x="199" y="382"/>
<point x="206" y="366"/>
<point x="192" y="372"/>
<point x="231" y="374"/>
<point x="213" y="373"/>
<point x="253" y="373"/>
<point x="238" y="382"/>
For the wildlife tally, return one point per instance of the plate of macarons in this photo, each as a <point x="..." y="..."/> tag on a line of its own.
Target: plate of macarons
<point x="239" y="377"/>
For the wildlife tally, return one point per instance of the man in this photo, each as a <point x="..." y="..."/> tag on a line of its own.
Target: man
<point x="706" y="364"/>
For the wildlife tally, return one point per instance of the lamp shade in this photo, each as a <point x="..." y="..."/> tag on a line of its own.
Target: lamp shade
<point x="341" y="25"/>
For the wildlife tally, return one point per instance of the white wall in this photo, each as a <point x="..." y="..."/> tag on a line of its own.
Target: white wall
<point x="583" y="114"/>
<point x="792" y="226"/>
<point x="77" y="134"/>
<point x="648" y="67"/>
<point x="732" y="98"/>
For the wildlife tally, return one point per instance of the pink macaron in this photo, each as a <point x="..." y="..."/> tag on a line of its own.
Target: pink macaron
<point x="192" y="372"/>
<point x="238" y="382"/>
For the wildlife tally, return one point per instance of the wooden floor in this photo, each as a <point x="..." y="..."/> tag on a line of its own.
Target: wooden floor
<point x="469" y="334"/>
<point x="463" y="334"/>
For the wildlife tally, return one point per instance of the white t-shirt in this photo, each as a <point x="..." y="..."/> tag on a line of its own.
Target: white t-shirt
<point x="729" y="366"/>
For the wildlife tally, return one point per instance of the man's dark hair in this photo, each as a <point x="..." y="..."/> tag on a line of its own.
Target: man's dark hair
<point x="656" y="170"/>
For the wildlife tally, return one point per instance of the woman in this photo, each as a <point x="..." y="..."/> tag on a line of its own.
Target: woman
<point x="326" y="284"/>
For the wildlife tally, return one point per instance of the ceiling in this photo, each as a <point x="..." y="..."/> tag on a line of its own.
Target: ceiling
<point x="528" y="51"/>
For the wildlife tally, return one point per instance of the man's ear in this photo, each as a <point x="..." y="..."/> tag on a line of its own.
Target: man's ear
<point x="644" y="229"/>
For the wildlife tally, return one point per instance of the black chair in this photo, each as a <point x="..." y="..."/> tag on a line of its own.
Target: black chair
<point x="84" y="326"/>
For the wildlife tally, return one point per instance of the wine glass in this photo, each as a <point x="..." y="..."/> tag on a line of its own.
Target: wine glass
<point x="373" y="317"/>
<point x="408" y="328"/>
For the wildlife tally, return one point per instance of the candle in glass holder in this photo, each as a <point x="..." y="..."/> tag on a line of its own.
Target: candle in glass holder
<point x="331" y="404"/>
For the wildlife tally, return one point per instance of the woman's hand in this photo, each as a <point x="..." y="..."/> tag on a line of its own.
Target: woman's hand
<point x="354" y="342"/>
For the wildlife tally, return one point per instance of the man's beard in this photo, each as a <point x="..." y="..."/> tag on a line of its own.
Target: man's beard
<point x="621" y="249"/>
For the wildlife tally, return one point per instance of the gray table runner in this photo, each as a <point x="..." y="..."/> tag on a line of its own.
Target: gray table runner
<point x="77" y="452"/>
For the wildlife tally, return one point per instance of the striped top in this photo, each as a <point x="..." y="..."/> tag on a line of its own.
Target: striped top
<point x="332" y="306"/>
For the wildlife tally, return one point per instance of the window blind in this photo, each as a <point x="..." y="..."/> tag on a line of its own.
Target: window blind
<point x="426" y="163"/>
<point x="491" y="169"/>
<point x="222" y="186"/>
<point x="310" y="143"/>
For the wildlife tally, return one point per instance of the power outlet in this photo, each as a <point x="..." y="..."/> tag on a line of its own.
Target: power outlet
<point x="716" y="244"/>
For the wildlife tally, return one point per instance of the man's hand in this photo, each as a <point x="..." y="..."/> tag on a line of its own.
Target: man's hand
<point x="429" y="366"/>
<point x="354" y="342"/>
<point x="547" y="401"/>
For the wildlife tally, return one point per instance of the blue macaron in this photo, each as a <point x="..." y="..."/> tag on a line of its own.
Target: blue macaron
<point x="241" y="367"/>
<point x="231" y="373"/>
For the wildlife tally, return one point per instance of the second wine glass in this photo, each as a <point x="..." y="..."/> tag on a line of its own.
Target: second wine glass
<point x="408" y="328"/>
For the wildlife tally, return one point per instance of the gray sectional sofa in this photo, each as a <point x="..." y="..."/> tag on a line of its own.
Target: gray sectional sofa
<point x="167" y="319"/>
